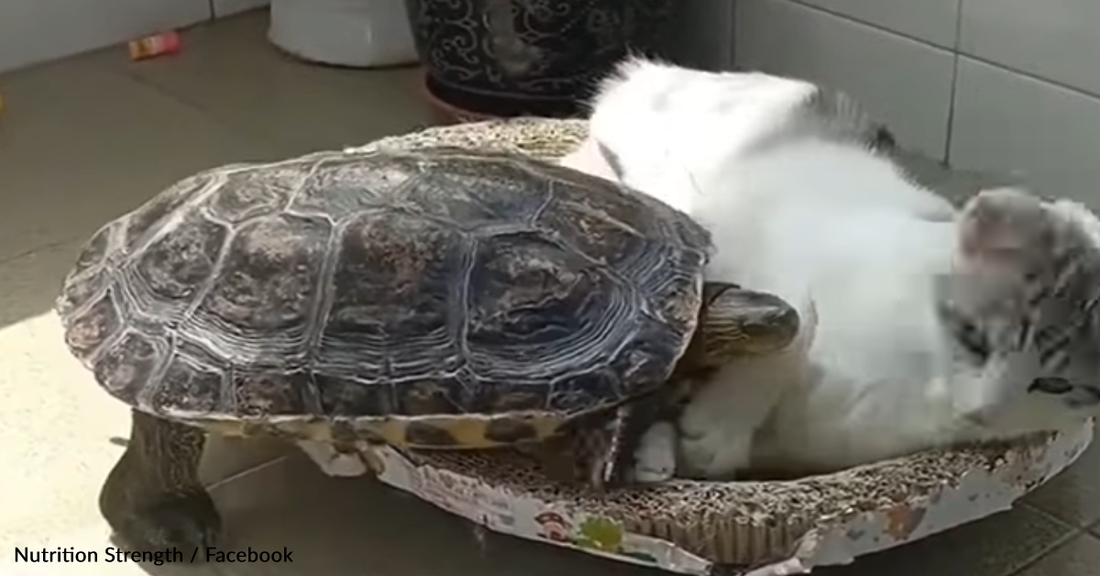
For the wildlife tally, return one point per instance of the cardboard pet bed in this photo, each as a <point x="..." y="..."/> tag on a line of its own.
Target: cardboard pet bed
<point x="703" y="528"/>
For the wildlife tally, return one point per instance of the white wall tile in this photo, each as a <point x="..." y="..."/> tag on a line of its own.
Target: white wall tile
<point x="905" y="83"/>
<point x="223" y="8"/>
<point x="934" y="21"/>
<point x="1009" y="122"/>
<point x="1054" y="39"/>
<point x="33" y="31"/>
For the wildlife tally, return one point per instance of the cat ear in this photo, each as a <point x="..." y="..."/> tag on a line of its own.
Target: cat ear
<point x="1005" y="227"/>
<point x="1080" y="217"/>
<point x="1004" y="237"/>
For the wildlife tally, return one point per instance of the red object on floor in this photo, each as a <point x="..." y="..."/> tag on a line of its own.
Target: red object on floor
<point x="161" y="44"/>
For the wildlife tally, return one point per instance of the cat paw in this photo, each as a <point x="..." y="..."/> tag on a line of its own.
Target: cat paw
<point x="655" y="458"/>
<point x="714" y="455"/>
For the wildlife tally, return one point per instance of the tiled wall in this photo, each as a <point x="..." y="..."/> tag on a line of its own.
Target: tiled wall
<point x="1008" y="85"/>
<point x="701" y="34"/>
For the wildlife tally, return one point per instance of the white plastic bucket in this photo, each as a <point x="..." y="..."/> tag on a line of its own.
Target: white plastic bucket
<point x="361" y="33"/>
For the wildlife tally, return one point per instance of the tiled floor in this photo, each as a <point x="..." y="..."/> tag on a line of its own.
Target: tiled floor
<point x="113" y="133"/>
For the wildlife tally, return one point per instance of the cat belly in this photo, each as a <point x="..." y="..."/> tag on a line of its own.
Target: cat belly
<point x="831" y="423"/>
<point x="877" y="352"/>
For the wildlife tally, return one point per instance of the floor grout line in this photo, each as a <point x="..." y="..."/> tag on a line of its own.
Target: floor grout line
<point x="1088" y="533"/>
<point x="180" y="99"/>
<point x="1050" y="515"/>
<point x="1057" y="543"/>
<point x="1090" y="528"/>
<point x="248" y="471"/>
<point x="266" y="140"/>
<point x="39" y="248"/>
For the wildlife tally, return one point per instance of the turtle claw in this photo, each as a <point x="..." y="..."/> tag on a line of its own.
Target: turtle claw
<point x="608" y="454"/>
<point x="185" y="523"/>
<point x="584" y="456"/>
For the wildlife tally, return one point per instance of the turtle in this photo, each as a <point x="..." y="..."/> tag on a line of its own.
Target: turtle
<point x="431" y="298"/>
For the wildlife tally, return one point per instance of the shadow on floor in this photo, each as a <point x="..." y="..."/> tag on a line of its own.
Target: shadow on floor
<point x="355" y="526"/>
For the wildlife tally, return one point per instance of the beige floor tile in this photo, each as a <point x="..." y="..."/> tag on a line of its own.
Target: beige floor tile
<point x="79" y="145"/>
<point x="995" y="546"/>
<point x="1078" y="557"/>
<point x="1073" y="495"/>
<point x="233" y="73"/>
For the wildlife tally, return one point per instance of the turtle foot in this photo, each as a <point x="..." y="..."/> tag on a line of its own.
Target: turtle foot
<point x="184" y="522"/>
<point x="153" y="498"/>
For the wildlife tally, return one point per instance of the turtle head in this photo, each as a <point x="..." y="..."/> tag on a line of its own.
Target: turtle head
<point x="734" y="322"/>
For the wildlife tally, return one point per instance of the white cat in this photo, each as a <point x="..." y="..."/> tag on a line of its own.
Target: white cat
<point x="931" y="326"/>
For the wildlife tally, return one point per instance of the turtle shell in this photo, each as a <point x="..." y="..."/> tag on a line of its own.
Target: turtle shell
<point x="436" y="297"/>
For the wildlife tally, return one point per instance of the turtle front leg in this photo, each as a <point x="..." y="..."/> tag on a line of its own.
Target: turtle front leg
<point x="602" y="451"/>
<point x="640" y="443"/>
<point x="152" y="497"/>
